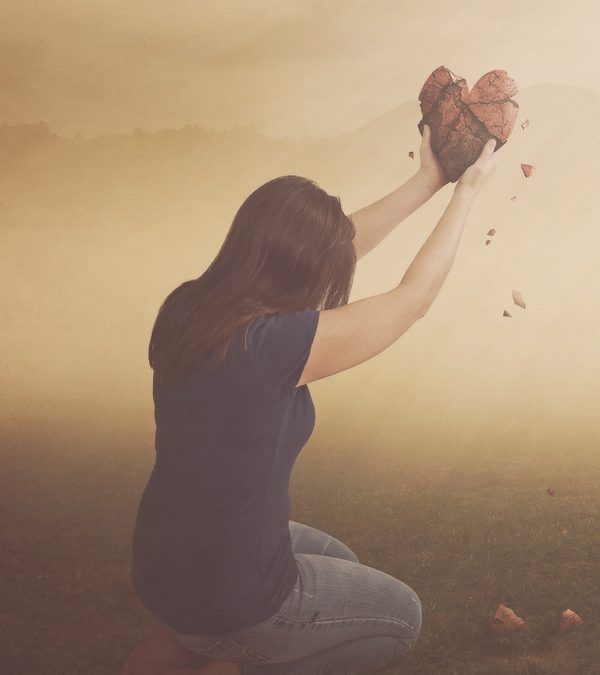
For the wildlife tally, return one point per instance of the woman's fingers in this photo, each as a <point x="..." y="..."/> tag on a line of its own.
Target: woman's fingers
<point x="497" y="155"/>
<point x="425" y="139"/>
<point x="487" y="153"/>
<point x="488" y="149"/>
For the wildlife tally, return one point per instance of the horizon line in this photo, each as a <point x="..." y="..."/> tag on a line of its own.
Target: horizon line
<point x="77" y="135"/>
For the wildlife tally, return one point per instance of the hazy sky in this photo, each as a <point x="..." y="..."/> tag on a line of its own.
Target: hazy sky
<point x="286" y="67"/>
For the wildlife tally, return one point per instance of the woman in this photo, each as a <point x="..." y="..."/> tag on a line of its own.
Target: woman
<point x="215" y="557"/>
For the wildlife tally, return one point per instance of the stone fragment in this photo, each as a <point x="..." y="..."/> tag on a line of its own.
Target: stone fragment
<point x="518" y="299"/>
<point x="527" y="169"/>
<point x="568" y="619"/>
<point x="505" y="620"/>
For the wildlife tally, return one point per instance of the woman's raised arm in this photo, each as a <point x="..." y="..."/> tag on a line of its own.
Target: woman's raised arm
<point x="352" y="333"/>
<point x="374" y="222"/>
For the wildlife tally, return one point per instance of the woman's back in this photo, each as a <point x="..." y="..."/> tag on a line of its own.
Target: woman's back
<point x="211" y="548"/>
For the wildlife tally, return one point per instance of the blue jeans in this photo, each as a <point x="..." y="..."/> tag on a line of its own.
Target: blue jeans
<point x="341" y="618"/>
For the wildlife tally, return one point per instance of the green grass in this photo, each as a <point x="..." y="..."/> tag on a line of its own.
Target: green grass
<point x="466" y="533"/>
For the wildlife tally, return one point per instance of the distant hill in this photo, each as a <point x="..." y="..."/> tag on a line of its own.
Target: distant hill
<point x="175" y="161"/>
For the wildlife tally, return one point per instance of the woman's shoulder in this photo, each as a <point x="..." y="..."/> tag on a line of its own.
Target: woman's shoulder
<point x="278" y="346"/>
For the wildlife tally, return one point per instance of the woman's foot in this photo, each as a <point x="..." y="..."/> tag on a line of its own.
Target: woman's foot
<point x="161" y="654"/>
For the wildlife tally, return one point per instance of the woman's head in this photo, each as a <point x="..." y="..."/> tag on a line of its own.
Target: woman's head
<point x="289" y="248"/>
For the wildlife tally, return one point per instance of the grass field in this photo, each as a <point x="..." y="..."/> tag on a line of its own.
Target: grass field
<point x="466" y="533"/>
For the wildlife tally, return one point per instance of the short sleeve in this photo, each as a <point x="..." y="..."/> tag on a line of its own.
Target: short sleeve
<point x="279" y="347"/>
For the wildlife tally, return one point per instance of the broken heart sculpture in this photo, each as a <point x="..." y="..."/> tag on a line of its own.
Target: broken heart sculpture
<point x="462" y="121"/>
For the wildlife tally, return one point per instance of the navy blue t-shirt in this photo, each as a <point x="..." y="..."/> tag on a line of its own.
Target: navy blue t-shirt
<point x="211" y="545"/>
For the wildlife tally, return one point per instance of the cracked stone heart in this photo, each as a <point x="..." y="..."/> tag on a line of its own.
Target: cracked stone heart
<point x="462" y="121"/>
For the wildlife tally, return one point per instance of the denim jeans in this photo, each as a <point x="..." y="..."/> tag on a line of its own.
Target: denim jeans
<point x="341" y="618"/>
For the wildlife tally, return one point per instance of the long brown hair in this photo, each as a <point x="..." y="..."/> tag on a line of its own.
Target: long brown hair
<point x="289" y="248"/>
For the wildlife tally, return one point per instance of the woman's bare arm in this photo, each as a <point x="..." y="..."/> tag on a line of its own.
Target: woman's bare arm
<point x="353" y="333"/>
<point x="374" y="222"/>
<point x="429" y="268"/>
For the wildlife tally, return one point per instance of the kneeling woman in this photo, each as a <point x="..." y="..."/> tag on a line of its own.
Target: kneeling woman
<point x="215" y="557"/>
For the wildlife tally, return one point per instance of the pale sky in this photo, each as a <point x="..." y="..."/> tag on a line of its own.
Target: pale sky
<point x="287" y="68"/>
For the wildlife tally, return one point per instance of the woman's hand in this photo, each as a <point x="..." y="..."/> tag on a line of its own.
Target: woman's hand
<point x="477" y="173"/>
<point x="431" y="170"/>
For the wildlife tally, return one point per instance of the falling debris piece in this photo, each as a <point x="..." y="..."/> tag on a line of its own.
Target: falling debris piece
<point x="568" y="619"/>
<point x="506" y="314"/>
<point x="491" y="232"/>
<point x="411" y="154"/>
<point x="528" y="169"/>
<point x="518" y="299"/>
<point x="551" y="491"/>
<point x="525" y="124"/>
<point x="505" y="620"/>
<point x="463" y="120"/>
<point x="513" y="198"/>
<point x="487" y="241"/>
<point x="564" y="531"/>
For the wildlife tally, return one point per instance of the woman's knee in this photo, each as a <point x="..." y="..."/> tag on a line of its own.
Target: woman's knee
<point x="418" y="614"/>
<point x="408" y="609"/>
<point x="410" y="630"/>
<point x="415" y="615"/>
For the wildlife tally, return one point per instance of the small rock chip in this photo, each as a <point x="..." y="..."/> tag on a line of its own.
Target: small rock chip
<point x="487" y="241"/>
<point x="518" y="299"/>
<point x="411" y="154"/>
<point x="525" y="124"/>
<point x="505" y="620"/>
<point x="551" y="491"/>
<point x="491" y="232"/>
<point x="528" y="169"/>
<point x="513" y="198"/>
<point x="568" y="619"/>
<point x="505" y="313"/>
